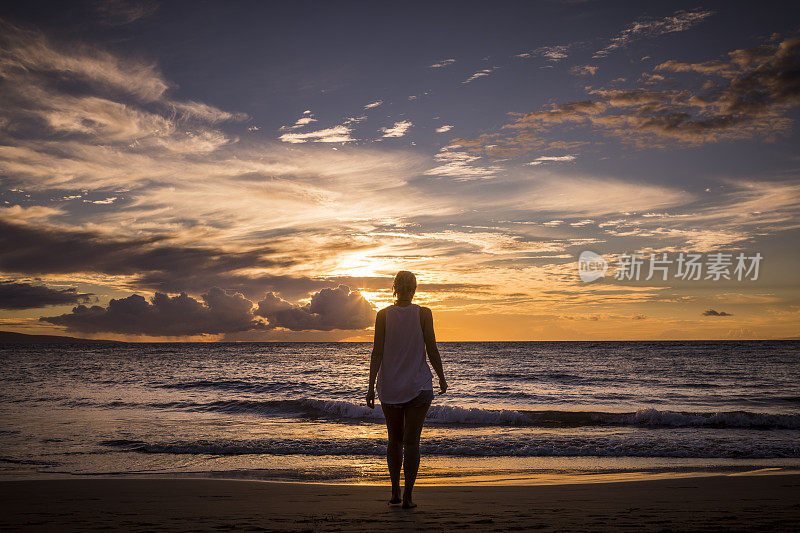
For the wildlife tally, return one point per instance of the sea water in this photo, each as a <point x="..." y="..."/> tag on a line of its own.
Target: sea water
<point x="295" y="411"/>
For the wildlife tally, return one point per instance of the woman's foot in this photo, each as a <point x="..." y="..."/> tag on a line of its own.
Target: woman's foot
<point x="407" y="503"/>
<point x="395" y="497"/>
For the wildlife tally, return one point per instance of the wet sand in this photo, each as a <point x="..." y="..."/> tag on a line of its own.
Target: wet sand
<point x="770" y="502"/>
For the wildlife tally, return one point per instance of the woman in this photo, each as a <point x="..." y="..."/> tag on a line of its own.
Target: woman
<point x="403" y="334"/>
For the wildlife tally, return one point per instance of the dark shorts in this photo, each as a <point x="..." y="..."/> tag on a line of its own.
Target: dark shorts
<point x="425" y="397"/>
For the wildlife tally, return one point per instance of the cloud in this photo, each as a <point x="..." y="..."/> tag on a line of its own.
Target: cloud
<point x="583" y="70"/>
<point x="121" y="12"/>
<point x="204" y="112"/>
<point x="354" y="120"/>
<point x="25" y="51"/>
<point x="151" y="261"/>
<point x="154" y="263"/>
<point x="443" y="63"/>
<point x="374" y="104"/>
<point x="81" y="94"/>
<point x="582" y="196"/>
<point x="329" y="309"/>
<point x="547" y="159"/>
<point x="16" y="295"/>
<point x="649" y="27"/>
<point x="398" y="130"/>
<point x="750" y="96"/>
<point x="460" y="165"/>
<point x="712" y="312"/>
<point x="164" y="315"/>
<point x="480" y="74"/>
<point x="306" y="119"/>
<point x="553" y="53"/>
<point x="36" y="213"/>
<point x="336" y="134"/>
<point x="106" y="201"/>
<point x="443" y="129"/>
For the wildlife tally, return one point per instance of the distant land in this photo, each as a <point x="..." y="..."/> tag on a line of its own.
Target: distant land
<point x="10" y="337"/>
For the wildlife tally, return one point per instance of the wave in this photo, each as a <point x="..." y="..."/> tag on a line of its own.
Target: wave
<point x="344" y="411"/>
<point x="235" y="385"/>
<point x="650" y="418"/>
<point x="532" y="445"/>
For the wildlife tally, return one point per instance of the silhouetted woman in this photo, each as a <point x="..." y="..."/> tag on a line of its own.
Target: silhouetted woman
<point x="403" y="334"/>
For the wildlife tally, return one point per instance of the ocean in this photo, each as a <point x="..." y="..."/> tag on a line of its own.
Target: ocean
<point x="515" y="411"/>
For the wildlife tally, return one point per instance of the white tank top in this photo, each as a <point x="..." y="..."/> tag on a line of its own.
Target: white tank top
<point x="404" y="371"/>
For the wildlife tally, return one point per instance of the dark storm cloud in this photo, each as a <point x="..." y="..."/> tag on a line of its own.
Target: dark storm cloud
<point x="219" y="312"/>
<point x="48" y="250"/>
<point x="338" y="308"/>
<point x="746" y="95"/>
<point x="15" y="295"/>
<point x="712" y="312"/>
<point x="164" y="315"/>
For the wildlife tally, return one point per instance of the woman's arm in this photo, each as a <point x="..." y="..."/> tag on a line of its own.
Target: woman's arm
<point x="430" y="347"/>
<point x="377" y="355"/>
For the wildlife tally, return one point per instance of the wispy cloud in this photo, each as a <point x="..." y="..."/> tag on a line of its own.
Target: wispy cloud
<point x="443" y="63"/>
<point x="29" y="51"/>
<point x="460" y="165"/>
<point x="120" y="12"/>
<point x="105" y="201"/>
<point x="547" y="159"/>
<point x="336" y="134"/>
<point x="305" y="119"/>
<point x="592" y="197"/>
<point x="398" y="130"/>
<point x="354" y="120"/>
<point x="553" y="53"/>
<point x="480" y="74"/>
<point x="583" y="70"/>
<point x="649" y="27"/>
<point x="374" y="104"/>
<point x="444" y="129"/>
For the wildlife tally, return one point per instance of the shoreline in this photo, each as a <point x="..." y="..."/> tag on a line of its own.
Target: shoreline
<point x="720" y="501"/>
<point x="510" y="478"/>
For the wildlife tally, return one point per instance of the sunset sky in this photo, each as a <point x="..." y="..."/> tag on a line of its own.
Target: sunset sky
<point x="261" y="170"/>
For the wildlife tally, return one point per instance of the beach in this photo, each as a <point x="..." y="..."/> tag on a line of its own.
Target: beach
<point x="738" y="502"/>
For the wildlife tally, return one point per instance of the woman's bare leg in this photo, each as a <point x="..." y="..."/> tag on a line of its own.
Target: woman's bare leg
<point x="414" y="418"/>
<point x="394" y="449"/>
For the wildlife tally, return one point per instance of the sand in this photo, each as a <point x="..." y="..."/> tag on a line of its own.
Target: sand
<point x="720" y="502"/>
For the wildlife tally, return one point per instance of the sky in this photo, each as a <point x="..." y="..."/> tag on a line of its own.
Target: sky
<point x="260" y="170"/>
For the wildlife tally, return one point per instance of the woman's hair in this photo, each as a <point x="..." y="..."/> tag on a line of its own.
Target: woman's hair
<point x="404" y="282"/>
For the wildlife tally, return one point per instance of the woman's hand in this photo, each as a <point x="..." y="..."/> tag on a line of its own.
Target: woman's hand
<point x="442" y="385"/>
<point x="371" y="398"/>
